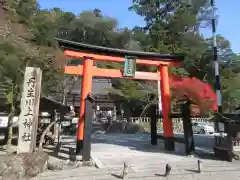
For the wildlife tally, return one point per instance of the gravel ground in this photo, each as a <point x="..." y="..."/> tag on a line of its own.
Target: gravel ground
<point x="180" y="171"/>
<point x="147" y="162"/>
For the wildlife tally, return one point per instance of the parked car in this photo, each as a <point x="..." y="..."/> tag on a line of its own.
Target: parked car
<point x="202" y="128"/>
<point x="4" y="126"/>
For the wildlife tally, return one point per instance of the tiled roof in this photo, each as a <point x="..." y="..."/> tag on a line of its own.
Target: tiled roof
<point x="99" y="86"/>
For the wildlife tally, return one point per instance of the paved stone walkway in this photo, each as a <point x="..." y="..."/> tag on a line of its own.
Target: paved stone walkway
<point x="114" y="149"/>
<point x="147" y="162"/>
<point x="220" y="171"/>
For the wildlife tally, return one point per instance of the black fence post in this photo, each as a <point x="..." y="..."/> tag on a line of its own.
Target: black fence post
<point x="88" y="117"/>
<point x="153" y="116"/>
<point x="187" y="127"/>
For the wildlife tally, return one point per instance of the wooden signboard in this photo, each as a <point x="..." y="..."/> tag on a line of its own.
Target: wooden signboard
<point x="28" y="119"/>
<point x="129" y="66"/>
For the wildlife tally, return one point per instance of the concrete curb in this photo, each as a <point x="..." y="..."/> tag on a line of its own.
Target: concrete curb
<point x="97" y="162"/>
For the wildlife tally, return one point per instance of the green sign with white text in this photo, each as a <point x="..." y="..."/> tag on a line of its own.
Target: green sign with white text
<point x="129" y="66"/>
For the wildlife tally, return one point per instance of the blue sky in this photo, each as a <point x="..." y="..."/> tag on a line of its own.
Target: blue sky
<point x="228" y="24"/>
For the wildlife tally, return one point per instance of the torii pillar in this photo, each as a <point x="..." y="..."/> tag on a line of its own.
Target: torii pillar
<point x="166" y="108"/>
<point x="90" y="53"/>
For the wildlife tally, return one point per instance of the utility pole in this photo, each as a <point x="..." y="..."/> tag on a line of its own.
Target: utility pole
<point x="159" y="82"/>
<point x="159" y="98"/>
<point x="216" y="63"/>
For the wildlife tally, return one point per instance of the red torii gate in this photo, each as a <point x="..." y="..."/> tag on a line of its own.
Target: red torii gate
<point x="91" y="53"/>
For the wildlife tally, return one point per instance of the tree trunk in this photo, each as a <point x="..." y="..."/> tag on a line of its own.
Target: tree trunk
<point x="44" y="134"/>
<point x="146" y="108"/>
<point x="11" y="114"/>
<point x="10" y="130"/>
<point x="70" y="90"/>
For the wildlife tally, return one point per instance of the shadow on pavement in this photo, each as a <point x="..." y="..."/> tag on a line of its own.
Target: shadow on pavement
<point x="136" y="142"/>
<point x="141" y="142"/>
<point x="62" y="154"/>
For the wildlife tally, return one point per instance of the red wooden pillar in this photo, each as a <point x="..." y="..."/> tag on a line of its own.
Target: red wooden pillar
<point x="166" y="108"/>
<point x="86" y="89"/>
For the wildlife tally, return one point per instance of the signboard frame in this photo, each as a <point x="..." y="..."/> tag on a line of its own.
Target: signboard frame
<point x="129" y="66"/>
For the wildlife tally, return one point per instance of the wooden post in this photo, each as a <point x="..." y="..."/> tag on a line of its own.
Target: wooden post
<point x="28" y="119"/>
<point x="187" y="127"/>
<point x="153" y="116"/>
<point x="88" y="118"/>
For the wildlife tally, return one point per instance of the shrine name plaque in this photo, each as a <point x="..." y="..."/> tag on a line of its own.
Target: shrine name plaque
<point x="28" y="119"/>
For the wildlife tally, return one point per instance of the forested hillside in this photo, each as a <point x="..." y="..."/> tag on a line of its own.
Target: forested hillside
<point x="27" y="35"/>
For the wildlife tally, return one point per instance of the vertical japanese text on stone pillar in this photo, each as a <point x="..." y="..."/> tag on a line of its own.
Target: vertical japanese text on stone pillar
<point x="29" y="110"/>
<point x="28" y="114"/>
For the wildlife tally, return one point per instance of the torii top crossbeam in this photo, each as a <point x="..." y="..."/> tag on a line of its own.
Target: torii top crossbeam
<point x="90" y="53"/>
<point x="105" y="51"/>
